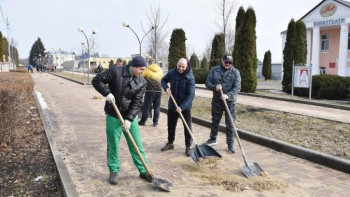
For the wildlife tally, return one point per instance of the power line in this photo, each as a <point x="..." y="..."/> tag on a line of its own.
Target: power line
<point x="3" y="16"/>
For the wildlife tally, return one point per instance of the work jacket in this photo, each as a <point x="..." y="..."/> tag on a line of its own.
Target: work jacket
<point x="128" y="90"/>
<point x="182" y="87"/>
<point x="153" y="74"/>
<point x="230" y="81"/>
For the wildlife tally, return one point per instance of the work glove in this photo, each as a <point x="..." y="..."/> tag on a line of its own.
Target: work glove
<point x="224" y="97"/>
<point x="127" y="125"/>
<point x="110" y="98"/>
<point x="218" y="87"/>
<point x="178" y="109"/>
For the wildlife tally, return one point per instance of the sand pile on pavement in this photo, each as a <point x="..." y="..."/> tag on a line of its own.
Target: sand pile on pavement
<point x="209" y="161"/>
<point x="97" y="97"/>
<point x="236" y="184"/>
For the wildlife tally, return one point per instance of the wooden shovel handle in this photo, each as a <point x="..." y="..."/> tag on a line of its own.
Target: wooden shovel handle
<point x="131" y="138"/>
<point x="183" y="119"/>
<point x="234" y="129"/>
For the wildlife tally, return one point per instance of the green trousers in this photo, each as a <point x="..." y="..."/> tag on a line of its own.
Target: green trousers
<point x="114" y="128"/>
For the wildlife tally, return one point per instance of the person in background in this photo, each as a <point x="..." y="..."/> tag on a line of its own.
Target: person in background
<point x="119" y="62"/>
<point x="182" y="87"/>
<point x="30" y="68"/>
<point x="126" y="89"/>
<point x="99" y="68"/>
<point x="153" y="74"/>
<point x="227" y="78"/>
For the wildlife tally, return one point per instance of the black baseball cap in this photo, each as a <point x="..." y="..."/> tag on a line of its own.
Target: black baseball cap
<point x="227" y="58"/>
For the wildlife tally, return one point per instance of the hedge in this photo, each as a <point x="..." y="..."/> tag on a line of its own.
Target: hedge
<point x="331" y="87"/>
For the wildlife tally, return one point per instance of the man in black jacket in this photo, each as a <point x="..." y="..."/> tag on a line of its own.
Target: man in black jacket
<point x="126" y="88"/>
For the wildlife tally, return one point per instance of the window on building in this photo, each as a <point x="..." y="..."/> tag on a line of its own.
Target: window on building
<point x="324" y="43"/>
<point x="322" y="70"/>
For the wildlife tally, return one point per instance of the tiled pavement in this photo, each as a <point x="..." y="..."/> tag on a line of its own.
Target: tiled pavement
<point x="77" y="122"/>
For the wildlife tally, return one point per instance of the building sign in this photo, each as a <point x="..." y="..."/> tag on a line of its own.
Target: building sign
<point x="301" y="77"/>
<point x="329" y="22"/>
<point x="328" y="10"/>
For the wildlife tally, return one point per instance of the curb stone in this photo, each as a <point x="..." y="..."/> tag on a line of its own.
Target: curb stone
<point x="68" y="188"/>
<point x="81" y="83"/>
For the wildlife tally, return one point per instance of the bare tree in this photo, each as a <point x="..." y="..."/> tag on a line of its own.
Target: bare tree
<point x="207" y="51"/>
<point x="157" y="36"/>
<point x="225" y="9"/>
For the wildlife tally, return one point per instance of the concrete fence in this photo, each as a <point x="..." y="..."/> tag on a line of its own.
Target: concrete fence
<point x="4" y="67"/>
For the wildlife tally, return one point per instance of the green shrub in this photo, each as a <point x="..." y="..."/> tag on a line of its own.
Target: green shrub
<point x="214" y="62"/>
<point x="327" y="87"/>
<point x="331" y="87"/>
<point x="200" y="75"/>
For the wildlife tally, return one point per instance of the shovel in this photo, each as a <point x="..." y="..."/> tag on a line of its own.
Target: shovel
<point x="199" y="151"/>
<point x="159" y="183"/>
<point x="250" y="170"/>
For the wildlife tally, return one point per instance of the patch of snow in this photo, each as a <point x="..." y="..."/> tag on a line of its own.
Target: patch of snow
<point x="277" y="91"/>
<point x="41" y="100"/>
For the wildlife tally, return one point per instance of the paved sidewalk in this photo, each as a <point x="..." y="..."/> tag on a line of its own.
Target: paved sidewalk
<point x="78" y="127"/>
<point x="290" y="107"/>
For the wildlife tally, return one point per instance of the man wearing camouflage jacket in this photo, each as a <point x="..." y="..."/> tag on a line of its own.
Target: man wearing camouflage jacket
<point x="227" y="78"/>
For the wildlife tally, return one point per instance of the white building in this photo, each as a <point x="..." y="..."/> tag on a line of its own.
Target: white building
<point x="328" y="38"/>
<point x="59" y="58"/>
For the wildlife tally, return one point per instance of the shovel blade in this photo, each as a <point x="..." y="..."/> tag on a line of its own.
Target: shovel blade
<point x="252" y="170"/>
<point x="162" y="184"/>
<point x="203" y="151"/>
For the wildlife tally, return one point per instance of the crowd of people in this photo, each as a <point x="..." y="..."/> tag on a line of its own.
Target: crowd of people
<point x="137" y="87"/>
<point x="41" y="68"/>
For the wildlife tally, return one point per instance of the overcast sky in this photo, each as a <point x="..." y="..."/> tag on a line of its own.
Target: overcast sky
<point x="56" y="23"/>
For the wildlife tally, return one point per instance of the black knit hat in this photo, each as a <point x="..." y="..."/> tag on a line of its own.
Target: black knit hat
<point x="138" y="61"/>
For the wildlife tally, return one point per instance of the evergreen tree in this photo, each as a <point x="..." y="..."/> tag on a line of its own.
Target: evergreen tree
<point x="194" y="61"/>
<point x="111" y="64"/>
<point x="288" y="56"/>
<point x="300" y="43"/>
<point x="266" y="69"/>
<point x="2" y="47"/>
<point x="237" y="54"/>
<point x="204" y="63"/>
<point x="37" y="51"/>
<point x="250" y="63"/>
<point x="218" y="46"/>
<point x="217" y="50"/>
<point x="177" y="48"/>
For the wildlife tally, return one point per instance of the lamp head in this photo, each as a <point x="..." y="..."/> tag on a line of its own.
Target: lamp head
<point x="80" y="29"/>
<point x="94" y="31"/>
<point x="125" y="24"/>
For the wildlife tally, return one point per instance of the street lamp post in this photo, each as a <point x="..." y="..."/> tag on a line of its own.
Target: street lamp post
<point x="81" y="29"/>
<point x="126" y="24"/>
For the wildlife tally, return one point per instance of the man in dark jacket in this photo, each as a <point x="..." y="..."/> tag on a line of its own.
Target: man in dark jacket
<point x="99" y="68"/>
<point x="182" y="87"/>
<point x="126" y="88"/>
<point x="227" y="78"/>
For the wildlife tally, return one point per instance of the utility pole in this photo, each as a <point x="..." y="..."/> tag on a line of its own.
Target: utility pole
<point x="9" y="42"/>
